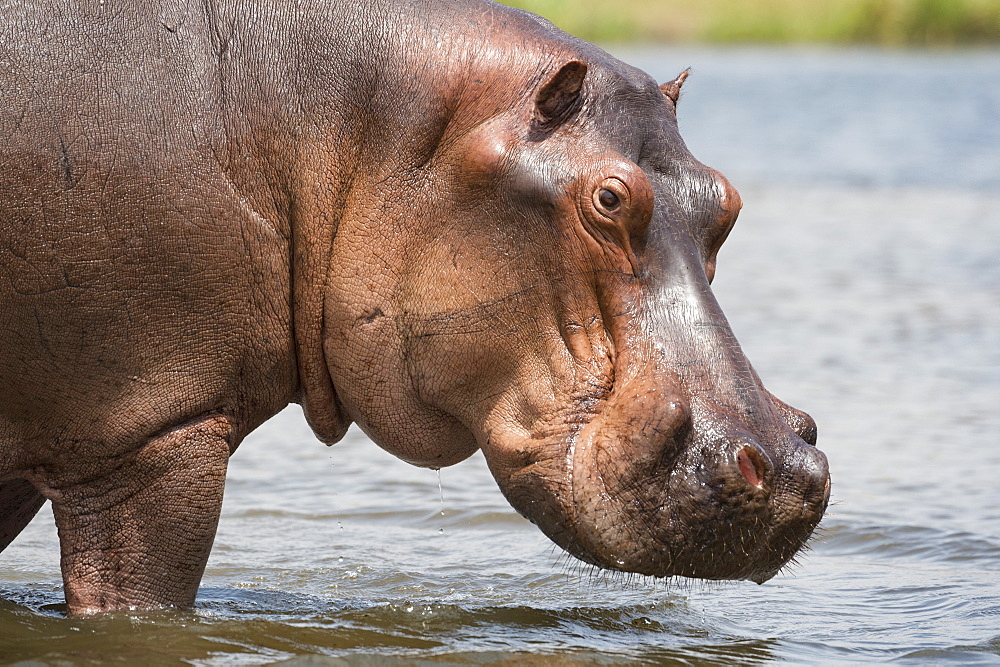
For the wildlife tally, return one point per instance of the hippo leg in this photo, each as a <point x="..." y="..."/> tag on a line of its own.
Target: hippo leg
<point x="19" y="502"/>
<point x="139" y="534"/>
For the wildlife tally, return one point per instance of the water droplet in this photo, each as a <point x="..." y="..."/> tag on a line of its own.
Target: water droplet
<point x="440" y="488"/>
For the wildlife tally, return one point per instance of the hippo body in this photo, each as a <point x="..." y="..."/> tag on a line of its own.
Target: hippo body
<point x="447" y="222"/>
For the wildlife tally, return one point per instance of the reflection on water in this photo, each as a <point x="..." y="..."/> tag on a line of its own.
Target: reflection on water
<point x="864" y="282"/>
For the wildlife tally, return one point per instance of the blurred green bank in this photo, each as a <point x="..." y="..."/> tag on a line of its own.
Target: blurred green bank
<point x="919" y="23"/>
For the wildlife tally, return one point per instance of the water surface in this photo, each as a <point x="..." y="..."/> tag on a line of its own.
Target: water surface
<point x="863" y="281"/>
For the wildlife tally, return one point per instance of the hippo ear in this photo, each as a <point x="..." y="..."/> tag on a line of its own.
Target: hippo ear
<point x="672" y="89"/>
<point x="560" y="96"/>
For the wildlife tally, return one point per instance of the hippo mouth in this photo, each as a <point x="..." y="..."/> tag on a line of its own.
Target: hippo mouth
<point x="709" y="504"/>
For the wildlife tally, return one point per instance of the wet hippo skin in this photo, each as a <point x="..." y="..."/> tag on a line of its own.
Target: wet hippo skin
<point x="447" y="222"/>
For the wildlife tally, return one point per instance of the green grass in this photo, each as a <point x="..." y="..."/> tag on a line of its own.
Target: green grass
<point x="924" y="23"/>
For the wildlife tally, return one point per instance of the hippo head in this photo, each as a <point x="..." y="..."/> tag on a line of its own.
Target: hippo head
<point x="538" y="287"/>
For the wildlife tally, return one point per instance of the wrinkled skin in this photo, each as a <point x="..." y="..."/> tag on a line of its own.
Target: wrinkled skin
<point x="447" y="222"/>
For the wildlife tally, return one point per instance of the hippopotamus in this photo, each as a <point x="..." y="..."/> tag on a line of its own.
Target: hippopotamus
<point x="445" y="221"/>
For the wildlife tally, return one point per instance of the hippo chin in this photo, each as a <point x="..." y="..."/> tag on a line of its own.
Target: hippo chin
<point x="447" y="222"/>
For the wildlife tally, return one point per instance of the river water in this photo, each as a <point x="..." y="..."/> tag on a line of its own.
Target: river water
<point x="863" y="280"/>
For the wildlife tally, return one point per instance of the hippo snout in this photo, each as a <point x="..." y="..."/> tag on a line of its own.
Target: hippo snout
<point x="763" y="500"/>
<point x="659" y="481"/>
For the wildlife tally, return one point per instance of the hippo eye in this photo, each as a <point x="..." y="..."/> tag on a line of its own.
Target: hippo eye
<point x="608" y="199"/>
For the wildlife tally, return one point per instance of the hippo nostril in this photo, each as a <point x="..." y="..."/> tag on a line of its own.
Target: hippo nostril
<point x="813" y="473"/>
<point x="805" y="427"/>
<point x="753" y="465"/>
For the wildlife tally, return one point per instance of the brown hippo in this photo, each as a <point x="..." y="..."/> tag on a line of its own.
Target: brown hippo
<point x="445" y="221"/>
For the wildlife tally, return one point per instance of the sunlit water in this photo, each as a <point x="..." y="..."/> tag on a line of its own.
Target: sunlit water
<point x="864" y="282"/>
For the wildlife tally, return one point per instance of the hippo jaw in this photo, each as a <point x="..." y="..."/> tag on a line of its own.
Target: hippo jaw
<point x="651" y="486"/>
<point x="720" y="510"/>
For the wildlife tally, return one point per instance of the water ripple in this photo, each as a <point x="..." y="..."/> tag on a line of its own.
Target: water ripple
<point x="910" y="542"/>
